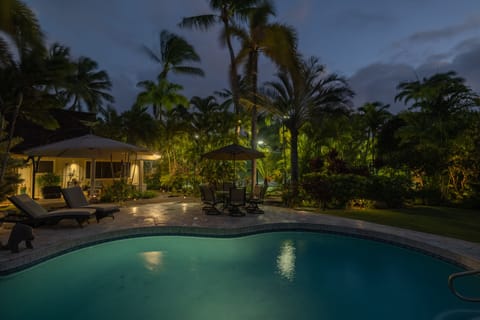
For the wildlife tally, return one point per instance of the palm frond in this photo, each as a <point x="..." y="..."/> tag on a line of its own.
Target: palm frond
<point x="189" y="70"/>
<point x="151" y="54"/>
<point x="201" y="22"/>
<point x="6" y="57"/>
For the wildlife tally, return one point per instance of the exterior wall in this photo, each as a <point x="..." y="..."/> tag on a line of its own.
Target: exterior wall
<point x="136" y="175"/>
<point x="73" y="172"/>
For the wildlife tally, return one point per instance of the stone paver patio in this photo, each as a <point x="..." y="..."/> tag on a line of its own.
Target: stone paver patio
<point x="184" y="216"/>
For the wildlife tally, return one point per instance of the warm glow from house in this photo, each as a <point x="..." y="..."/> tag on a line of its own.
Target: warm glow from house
<point x="152" y="260"/>
<point x="73" y="170"/>
<point x="134" y="210"/>
<point x="286" y="260"/>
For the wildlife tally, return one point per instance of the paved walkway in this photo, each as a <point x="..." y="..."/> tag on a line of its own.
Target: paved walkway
<point x="184" y="216"/>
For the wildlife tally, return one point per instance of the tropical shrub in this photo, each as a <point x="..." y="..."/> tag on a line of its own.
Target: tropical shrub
<point x="49" y="179"/>
<point x="12" y="179"/>
<point x="347" y="187"/>
<point x="50" y="184"/>
<point x="175" y="182"/>
<point x="350" y="190"/>
<point x="317" y="186"/>
<point x="334" y="190"/>
<point x="153" y="181"/>
<point x="392" y="191"/>
<point x="118" y="191"/>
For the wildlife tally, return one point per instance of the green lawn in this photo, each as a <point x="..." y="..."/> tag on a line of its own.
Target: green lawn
<point x="449" y="222"/>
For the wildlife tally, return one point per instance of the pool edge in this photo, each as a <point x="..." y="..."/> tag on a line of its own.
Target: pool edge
<point x="42" y="254"/>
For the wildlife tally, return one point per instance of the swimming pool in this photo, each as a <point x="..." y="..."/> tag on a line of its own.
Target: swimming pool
<point x="279" y="275"/>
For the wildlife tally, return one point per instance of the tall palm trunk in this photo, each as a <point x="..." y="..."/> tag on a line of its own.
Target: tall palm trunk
<point x="74" y="105"/>
<point x="373" y="148"/>
<point x="233" y="77"/>
<point x="254" y="80"/>
<point x="294" y="161"/>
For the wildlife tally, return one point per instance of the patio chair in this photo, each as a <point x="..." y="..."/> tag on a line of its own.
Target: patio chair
<point x="256" y="199"/>
<point x="75" y="198"/>
<point x="227" y="185"/>
<point x="35" y="215"/>
<point x="236" y="200"/>
<point x="209" y="200"/>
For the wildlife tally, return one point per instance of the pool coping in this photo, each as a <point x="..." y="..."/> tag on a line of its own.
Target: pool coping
<point x="391" y="235"/>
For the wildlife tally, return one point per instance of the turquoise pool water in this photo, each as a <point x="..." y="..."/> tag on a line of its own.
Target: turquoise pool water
<point x="281" y="275"/>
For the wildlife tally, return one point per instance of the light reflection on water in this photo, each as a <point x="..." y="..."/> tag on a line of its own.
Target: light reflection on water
<point x="152" y="260"/>
<point x="286" y="260"/>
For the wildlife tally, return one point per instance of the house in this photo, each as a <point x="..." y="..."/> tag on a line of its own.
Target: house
<point x="73" y="169"/>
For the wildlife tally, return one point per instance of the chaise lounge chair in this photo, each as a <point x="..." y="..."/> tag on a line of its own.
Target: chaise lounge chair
<point x="35" y="215"/>
<point x="75" y="198"/>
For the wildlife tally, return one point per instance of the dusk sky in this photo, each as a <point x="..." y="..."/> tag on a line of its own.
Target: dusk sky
<point x="373" y="43"/>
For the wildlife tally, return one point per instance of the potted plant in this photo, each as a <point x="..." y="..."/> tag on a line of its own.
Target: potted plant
<point x="50" y="184"/>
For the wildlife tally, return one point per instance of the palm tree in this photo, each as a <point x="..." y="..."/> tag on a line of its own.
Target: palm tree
<point x="439" y="97"/>
<point x="174" y="51"/>
<point x="88" y="86"/>
<point x="375" y="115"/>
<point x="439" y="100"/>
<point x="441" y="104"/>
<point x="226" y="13"/>
<point x="18" y="24"/>
<point x="135" y="126"/>
<point x="21" y="51"/>
<point x="204" y="114"/>
<point x="110" y="124"/>
<point x="211" y="120"/>
<point x="275" y="41"/>
<point x="174" y="124"/>
<point x="299" y="97"/>
<point x="161" y="94"/>
<point x="60" y="68"/>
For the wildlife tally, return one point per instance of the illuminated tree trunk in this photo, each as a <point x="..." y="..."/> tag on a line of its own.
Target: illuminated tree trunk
<point x="294" y="161"/>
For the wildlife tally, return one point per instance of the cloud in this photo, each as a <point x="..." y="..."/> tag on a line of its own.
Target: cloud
<point x="299" y="12"/>
<point x="364" y="18"/>
<point x="464" y="63"/>
<point x="124" y="90"/>
<point x="347" y="35"/>
<point x="472" y="23"/>
<point x="378" y="82"/>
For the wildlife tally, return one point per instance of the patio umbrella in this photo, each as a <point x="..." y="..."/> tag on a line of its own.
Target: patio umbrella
<point x="233" y="152"/>
<point x="87" y="146"/>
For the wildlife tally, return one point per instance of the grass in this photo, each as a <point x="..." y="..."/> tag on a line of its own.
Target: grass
<point x="450" y="222"/>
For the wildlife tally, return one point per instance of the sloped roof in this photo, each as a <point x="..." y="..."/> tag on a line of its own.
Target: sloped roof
<point x="71" y="124"/>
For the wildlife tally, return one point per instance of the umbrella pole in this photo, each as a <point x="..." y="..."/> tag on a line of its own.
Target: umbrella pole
<point x="92" y="179"/>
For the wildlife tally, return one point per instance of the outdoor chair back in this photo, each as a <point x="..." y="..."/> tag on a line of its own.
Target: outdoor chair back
<point x="28" y="206"/>
<point x="227" y="185"/>
<point x="237" y="199"/>
<point x="257" y="198"/>
<point x="36" y="215"/>
<point x="209" y="200"/>
<point x="74" y="197"/>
